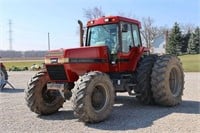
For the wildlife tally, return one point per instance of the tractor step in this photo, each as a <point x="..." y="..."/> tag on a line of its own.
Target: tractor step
<point x="134" y="94"/>
<point x="132" y="85"/>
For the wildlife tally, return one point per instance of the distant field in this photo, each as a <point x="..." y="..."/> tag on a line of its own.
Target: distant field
<point x="22" y="63"/>
<point x="191" y="63"/>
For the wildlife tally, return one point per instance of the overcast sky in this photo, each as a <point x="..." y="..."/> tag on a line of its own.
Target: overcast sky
<point x="33" y="19"/>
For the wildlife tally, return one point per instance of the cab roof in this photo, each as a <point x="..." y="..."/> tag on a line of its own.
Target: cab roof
<point x="111" y="19"/>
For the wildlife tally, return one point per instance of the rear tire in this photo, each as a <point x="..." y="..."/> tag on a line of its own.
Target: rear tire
<point x="143" y="78"/>
<point x="3" y="76"/>
<point x="93" y="97"/>
<point x="38" y="99"/>
<point x="167" y="80"/>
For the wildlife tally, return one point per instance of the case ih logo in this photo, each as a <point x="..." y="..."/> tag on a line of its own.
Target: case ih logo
<point x="54" y="60"/>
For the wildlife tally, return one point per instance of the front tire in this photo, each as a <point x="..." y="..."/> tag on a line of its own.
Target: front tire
<point x="38" y="98"/>
<point x="167" y="80"/>
<point x="93" y="97"/>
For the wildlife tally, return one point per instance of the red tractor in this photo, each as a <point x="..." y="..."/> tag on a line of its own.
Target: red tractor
<point x="111" y="60"/>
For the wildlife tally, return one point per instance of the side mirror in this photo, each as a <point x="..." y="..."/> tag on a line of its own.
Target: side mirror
<point x="124" y="27"/>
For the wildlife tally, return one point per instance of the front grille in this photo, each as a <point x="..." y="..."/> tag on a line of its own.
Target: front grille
<point x="56" y="72"/>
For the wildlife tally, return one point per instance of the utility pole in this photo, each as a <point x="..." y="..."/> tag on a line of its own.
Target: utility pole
<point x="48" y="41"/>
<point x="10" y="34"/>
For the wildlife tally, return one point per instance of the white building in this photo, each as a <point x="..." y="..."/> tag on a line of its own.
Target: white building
<point x="159" y="44"/>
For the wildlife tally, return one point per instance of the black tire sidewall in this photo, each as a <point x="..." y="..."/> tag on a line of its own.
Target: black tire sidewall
<point x="103" y="113"/>
<point x="143" y="79"/>
<point x="37" y="103"/>
<point x="161" y="80"/>
<point x="82" y="95"/>
<point x="174" y="64"/>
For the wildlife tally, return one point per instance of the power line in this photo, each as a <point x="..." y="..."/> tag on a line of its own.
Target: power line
<point x="10" y="34"/>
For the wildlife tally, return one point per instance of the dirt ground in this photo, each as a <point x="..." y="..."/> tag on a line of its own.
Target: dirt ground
<point x="128" y="114"/>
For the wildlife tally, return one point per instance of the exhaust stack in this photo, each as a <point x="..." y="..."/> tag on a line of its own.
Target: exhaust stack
<point x="81" y="32"/>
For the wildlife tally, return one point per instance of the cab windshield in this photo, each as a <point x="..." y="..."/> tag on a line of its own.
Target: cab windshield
<point x="103" y="35"/>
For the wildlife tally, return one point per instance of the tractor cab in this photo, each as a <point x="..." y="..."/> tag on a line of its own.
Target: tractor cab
<point x="118" y="33"/>
<point x="122" y="38"/>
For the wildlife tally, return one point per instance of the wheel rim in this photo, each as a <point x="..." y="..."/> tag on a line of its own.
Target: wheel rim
<point x="99" y="97"/>
<point x="174" y="81"/>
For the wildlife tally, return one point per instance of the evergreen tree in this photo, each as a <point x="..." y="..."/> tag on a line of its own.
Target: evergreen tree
<point x="174" y="45"/>
<point x="197" y="40"/>
<point x="185" y="41"/>
<point x="191" y="45"/>
<point x="194" y="42"/>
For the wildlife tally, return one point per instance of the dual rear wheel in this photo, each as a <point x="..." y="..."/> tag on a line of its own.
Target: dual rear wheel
<point x="167" y="80"/>
<point x="160" y="80"/>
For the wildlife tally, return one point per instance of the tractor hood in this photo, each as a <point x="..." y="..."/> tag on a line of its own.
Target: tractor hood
<point x="77" y="55"/>
<point x="67" y="64"/>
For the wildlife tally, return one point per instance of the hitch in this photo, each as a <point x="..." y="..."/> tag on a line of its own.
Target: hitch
<point x="61" y="88"/>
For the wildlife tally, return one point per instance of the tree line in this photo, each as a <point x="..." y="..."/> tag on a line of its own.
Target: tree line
<point x="21" y="54"/>
<point x="179" y="43"/>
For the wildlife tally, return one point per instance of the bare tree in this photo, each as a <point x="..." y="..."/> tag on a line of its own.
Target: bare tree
<point x="92" y="13"/>
<point x="187" y="28"/>
<point x="149" y="32"/>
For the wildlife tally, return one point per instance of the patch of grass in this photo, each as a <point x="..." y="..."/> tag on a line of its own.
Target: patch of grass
<point x="22" y="63"/>
<point x="191" y="63"/>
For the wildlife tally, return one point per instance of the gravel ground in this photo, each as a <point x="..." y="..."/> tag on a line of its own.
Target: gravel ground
<point x="128" y="115"/>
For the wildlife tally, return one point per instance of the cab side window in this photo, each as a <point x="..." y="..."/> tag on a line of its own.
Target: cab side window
<point x="127" y="39"/>
<point x="136" y="36"/>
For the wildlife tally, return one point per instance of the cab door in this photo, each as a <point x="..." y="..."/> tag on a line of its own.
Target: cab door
<point x="131" y="49"/>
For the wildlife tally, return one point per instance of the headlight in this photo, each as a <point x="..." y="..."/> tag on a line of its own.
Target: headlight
<point x="63" y="60"/>
<point x="56" y="60"/>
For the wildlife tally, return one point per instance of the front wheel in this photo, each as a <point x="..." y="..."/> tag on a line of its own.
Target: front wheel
<point x="39" y="99"/>
<point x="93" y="97"/>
